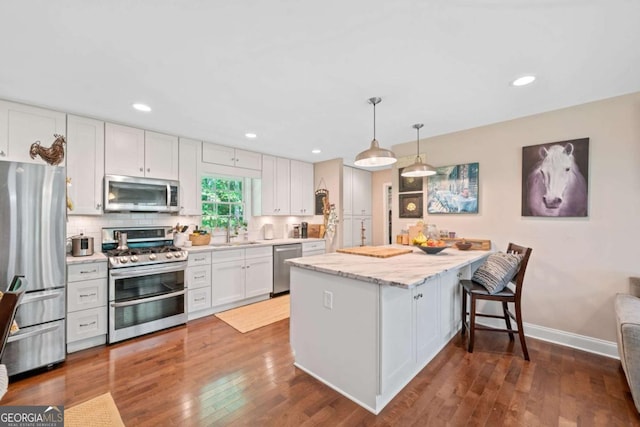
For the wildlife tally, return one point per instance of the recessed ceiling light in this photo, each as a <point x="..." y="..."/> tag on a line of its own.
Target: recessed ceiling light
<point x="523" y="81"/>
<point x="250" y="135"/>
<point x="141" y="107"/>
<point x="316" y="151"/>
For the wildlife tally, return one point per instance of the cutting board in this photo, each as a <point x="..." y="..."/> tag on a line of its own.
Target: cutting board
<point x="375" y="251"/>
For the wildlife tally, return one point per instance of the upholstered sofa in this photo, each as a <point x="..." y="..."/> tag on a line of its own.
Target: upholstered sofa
<point x="628" y="331"/>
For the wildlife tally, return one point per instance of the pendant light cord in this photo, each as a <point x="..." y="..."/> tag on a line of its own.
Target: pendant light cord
<point x="418" y="142"/>
<point x="374" y="121"/>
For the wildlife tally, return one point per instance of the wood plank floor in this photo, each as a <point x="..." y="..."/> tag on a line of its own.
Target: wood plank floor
<point x="208" y="374"/>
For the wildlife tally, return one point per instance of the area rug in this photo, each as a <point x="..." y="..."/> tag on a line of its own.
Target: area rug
<point x="100" y="411"/>
<point x="254" y="316"/>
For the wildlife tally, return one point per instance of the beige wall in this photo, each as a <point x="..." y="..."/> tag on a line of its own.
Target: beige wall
<point x="578" y="264"/>
<point x="378" y="196"/>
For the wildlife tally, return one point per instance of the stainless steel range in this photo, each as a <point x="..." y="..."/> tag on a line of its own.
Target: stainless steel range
<point x="147" y="290"/>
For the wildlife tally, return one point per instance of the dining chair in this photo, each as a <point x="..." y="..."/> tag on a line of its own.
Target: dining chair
<point x="475" y="291"/>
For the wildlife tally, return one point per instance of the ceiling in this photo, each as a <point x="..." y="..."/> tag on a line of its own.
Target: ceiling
<point x="299" y="73"/>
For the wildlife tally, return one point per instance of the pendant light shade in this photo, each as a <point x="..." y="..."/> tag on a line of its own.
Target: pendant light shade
<point x="418" y="168"/>
<point x="374" y="155"/>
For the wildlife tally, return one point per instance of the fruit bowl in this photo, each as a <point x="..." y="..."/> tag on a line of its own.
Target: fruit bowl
<point x="463" y="246"/>
<point x="432" y="250"/>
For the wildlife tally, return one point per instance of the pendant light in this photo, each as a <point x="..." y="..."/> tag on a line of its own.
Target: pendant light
<point x="374" y="155"/>
<point x="418" y="168"/>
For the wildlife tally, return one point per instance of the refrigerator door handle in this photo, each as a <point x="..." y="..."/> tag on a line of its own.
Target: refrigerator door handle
<point x="19" y="337"/>
<point x="27" y="299"/>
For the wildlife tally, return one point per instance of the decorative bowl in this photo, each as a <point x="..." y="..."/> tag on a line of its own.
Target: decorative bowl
<point x="431" y="250"/>
<point x="463" y="246"/>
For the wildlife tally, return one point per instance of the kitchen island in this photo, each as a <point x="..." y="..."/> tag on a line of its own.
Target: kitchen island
<point x="366" y="326"/>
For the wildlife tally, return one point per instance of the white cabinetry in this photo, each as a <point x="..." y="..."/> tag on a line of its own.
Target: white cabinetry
<point x="124" y="150"/>
<point x="275" y="191"/>
<point x="190" y="187"/>
<point x="228" y="156"/>
<point x="135" y="152"/>
<point x="356" y="203"/>
<point x="22" y="125"/>
<point x="86" y="305"/>
<point x="198" y="281"/>
<point x="85" y="164"/>
<point x="302" y="195"/>
<point x="161" y="155"/>
<point x="361" y="192"/>
<point x="239" y="274"/>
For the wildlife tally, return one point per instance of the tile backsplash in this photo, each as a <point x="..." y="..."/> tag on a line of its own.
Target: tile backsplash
<point x="92" y="225"/>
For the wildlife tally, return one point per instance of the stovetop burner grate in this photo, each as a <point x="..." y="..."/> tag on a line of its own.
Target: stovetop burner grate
<point x="142" y="251"/>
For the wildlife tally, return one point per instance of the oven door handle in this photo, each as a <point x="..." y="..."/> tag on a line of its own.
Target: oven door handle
<point x="150" y="299"/>
<point x="152" y="269"/>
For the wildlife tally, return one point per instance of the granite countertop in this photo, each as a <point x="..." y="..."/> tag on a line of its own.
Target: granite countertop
<point x="259" y="243"/>
<point x="99" y="256"/>
<point x="96" y="257"/>
<point x="405" y="271"/>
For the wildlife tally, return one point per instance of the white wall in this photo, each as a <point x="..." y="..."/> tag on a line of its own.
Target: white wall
<point x="578" y="264"/>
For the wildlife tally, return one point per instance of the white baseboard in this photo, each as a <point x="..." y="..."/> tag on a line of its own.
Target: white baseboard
<point x="567" y="339"/>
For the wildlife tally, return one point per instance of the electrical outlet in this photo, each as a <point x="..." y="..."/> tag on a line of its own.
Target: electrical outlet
<point x="328" y="299"/>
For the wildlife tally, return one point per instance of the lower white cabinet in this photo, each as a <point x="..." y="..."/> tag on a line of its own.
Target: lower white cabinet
<point x="239" y="274"/>
<point x="198" y="281"/>
<point x="86" y="305"/>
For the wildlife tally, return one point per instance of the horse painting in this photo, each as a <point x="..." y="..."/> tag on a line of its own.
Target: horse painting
<point x="555" y="186"/>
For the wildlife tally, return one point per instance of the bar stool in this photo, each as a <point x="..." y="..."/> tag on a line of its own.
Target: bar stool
<point x="477" y="292"/>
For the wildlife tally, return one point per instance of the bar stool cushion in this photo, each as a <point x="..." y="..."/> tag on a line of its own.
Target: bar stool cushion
<point x="497" y="271"/>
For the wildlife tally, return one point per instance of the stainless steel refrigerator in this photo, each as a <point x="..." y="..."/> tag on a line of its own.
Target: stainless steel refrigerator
<point x="32" y="236"/>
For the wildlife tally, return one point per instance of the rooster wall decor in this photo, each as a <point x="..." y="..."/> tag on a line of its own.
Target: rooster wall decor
<point x="53" y="155"/>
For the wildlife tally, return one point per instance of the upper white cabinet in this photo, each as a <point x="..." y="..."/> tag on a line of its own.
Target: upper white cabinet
<point x="22" y="125"/>
<point x="85" y="165"/>
<point x="276" y="190"/>
<point x="228" y="156"/>
<point x="190" y="194"/>
<point x="160" y="155"/>
<point x="135" y="152"/>
<point x="124" y="150"/>
<point x="302" y="199"/>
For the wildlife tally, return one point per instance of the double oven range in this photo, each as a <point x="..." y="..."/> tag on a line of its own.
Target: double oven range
<point x="147" y="290"/>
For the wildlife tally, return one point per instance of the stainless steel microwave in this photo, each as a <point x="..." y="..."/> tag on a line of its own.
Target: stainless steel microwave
<point x="133" y="194"/>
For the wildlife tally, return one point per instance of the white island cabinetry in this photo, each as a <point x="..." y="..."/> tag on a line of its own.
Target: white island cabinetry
<point x="405" y="309"/>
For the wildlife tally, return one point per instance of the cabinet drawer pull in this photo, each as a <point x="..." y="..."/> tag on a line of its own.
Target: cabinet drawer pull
<point x="88" y="272"/>
<point x="198" y="299"/>
<point x="199" y="259"/>
<point x="2" y="153"/>
<point x="84" y="325"/>
<point x="141" y="169"/>
<point x="88" y="295"/>
<point x="199" y="277"/>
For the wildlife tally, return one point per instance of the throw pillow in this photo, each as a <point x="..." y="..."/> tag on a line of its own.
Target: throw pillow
<point x="497" y="271"/>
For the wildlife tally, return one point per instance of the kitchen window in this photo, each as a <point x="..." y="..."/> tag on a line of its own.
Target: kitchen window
<point x="223" y="203"/>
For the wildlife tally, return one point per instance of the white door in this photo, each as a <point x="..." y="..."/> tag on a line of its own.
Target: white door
<point x="268" y="186"/>
<point x="22" y="125"/>
<point x="347" y="199"/>
<point x="302" y="199"/>
<point x="361" y="192"/>
<point x="427" y="302"/>
<point x="451" y="297"/>
<point x="85" y="165"/>
<point x="123" y="150"/>
<point x="218" y="154"/>
<point x="248" y="159"/>
<point x="190" y="186"/>
<point x="258" y="276"/>
<point x="227" y="282"/>
<point x="161" y="156"/>
<point x="283" y="186"/>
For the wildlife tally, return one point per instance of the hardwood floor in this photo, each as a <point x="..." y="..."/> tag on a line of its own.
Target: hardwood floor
<point x="207" y="373"/>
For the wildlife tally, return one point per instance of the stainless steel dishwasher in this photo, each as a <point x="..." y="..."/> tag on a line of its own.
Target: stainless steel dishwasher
<point x="280" y="269"/>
